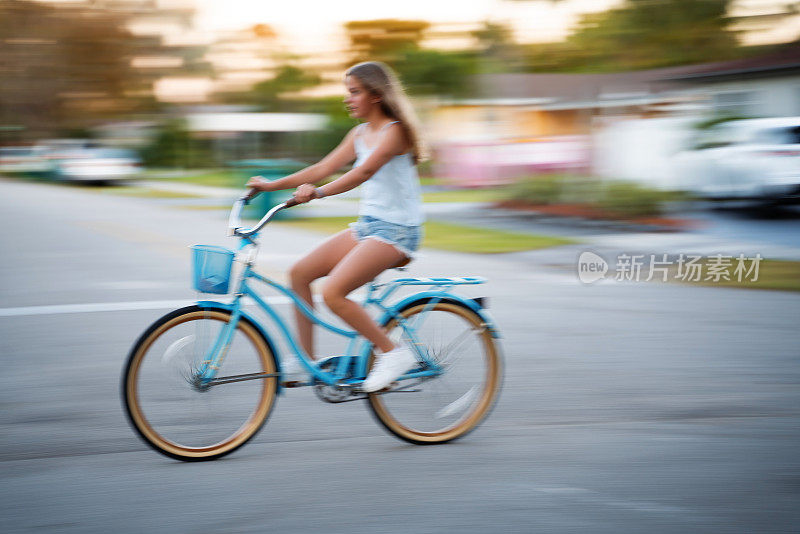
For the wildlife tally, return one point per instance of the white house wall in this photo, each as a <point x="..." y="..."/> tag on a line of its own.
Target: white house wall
<point x="776" y="97"/>
<point x="642" y="150"/>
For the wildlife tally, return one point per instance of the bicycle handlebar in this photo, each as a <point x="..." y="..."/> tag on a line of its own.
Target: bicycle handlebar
<point x="234" y="219"/>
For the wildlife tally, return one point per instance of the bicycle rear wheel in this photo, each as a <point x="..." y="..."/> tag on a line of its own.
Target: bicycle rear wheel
<point x="173" y="411"/>
<point x="442" y="408"/>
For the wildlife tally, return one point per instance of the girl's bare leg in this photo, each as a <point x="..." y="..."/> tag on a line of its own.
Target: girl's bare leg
<point x="316" y="264"/>
<point x="363" y="263"/>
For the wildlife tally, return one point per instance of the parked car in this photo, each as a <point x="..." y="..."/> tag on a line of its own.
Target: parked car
<point x="23" y="159"/>
<point x="95" y="164"/>
<point x="756" y="159"/>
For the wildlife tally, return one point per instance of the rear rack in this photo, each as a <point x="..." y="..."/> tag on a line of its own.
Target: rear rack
<point x="442" y="285"/>
<point x="457" y="281"/>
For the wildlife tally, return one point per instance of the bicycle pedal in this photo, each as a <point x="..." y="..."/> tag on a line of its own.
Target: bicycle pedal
<point x="293" y="384"/>
<point x="390" y="387"/>
<point x="387" y="389"/>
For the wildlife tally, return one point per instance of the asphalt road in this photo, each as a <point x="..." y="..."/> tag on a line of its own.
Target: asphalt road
<point x="627" y="407"/>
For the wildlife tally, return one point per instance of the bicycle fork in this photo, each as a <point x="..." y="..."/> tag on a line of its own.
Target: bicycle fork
<point x="214" y="358"/>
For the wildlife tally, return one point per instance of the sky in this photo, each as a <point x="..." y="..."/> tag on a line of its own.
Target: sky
<point x="312" y="25"/>
<point x="308" y="26"/>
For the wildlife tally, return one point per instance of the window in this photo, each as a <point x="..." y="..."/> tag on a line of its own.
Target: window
<point x="720" y="135"/>
<point x="793" y="135"/>
<point x="734" y="103"/>
<point x="797" y="101"/>
<point x="778" y="136"/>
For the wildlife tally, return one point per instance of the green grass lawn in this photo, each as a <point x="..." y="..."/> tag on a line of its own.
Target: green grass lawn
<point x="214" y="178"/>
<point x="779" y="275"/>
<point x="446" y="236"/>
<point x="150" y="193"/>
<point x="237" y="178"/>
<point x="131" y="191"/>
<point x="466" y="195"/>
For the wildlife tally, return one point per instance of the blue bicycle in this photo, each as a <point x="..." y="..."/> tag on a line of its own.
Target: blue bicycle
<point x="202" y="380"/>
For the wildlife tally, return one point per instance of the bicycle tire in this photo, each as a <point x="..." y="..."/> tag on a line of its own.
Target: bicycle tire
<point x="402" y="417"/>
<point x="158" y="421"/>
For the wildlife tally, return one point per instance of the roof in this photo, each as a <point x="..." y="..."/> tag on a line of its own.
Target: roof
<point x="580" y="87"/>
<point x="786" y="59"/>
<point x="583" y="88"/>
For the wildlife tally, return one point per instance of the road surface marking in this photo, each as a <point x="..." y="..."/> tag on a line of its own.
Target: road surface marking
<point x="116" y="306"/>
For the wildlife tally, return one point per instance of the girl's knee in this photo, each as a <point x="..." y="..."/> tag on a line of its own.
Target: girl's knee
<point x="299" y="275"/>
<point x="333" y="295"/>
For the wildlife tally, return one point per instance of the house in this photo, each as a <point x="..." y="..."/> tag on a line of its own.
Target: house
<point x="529" y="123"/>
<point x="763" y="86"/>
<point x="532" y="123"/>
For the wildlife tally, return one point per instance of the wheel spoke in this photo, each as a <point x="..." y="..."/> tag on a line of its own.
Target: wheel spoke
<point x="453" y="345"/>
<point x="455" y="401"/>
<point x="183" y="416"/>
<point x="459" y="404"/>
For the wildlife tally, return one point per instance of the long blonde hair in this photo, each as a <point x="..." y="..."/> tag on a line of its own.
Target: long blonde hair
<point x="379" y="79"/>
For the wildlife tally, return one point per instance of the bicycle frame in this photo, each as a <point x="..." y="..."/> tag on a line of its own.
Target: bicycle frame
<point x="339" y="376"/>
<point x="358" y="347"/>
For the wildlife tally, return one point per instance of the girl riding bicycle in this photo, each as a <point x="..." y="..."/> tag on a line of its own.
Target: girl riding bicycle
<point x="386" y="147"/>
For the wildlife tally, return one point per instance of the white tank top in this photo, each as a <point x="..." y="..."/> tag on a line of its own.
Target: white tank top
<point x="392" y="194"/>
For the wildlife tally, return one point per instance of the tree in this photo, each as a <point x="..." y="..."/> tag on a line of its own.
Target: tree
<point x="493" y="38"/>
<point x="288" y="79"/>
<point x="642" y="34"/>
<point x="397" y="43"/>
<point x="384" y="39"/>
<point x="498" y="50"/>
<point x="63" y="67"/>
<point x="69" y="67"/>
<point x="427" y="72"/>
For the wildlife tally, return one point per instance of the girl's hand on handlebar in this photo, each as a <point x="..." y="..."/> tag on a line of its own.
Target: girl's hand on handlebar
<point x="305" y="193"/>
<point x="259" y="184"/>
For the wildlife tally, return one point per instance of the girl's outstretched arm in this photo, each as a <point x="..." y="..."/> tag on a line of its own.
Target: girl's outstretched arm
<point x="335" y="160"/>
<point x="392" y="144"/>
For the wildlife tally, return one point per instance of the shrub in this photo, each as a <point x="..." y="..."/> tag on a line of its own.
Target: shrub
<point x="543" y="189"/>
<point x="615" y="198"/>
<point x="173" y="146"/>
<point x="580" y="189"/>
<point x="626" y="199"/>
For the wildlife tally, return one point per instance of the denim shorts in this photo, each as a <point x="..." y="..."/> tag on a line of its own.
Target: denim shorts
<point x="406" y="239"/>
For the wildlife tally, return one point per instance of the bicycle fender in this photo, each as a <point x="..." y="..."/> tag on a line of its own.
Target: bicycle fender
<point x="447" y="297"/>
<point x="248" y="317"/>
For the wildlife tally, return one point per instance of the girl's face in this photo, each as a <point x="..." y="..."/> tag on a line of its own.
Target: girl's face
<point x="359" y="101"/>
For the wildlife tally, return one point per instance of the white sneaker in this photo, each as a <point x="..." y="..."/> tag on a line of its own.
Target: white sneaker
<point x="388" y="367"/>
<point x="293" y="370"/>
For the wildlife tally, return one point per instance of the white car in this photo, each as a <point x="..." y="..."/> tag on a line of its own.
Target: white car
<point x="23" y="159"/>
<point x="96" y="165"/>
<point x="754" y="159"/>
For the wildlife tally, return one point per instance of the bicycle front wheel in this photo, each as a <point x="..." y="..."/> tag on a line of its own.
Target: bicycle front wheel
<point x="173" y="410"/>
<point x="442" y="408"/>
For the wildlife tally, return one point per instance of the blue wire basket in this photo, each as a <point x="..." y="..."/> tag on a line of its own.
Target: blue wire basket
<point x="212" y="268"/>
